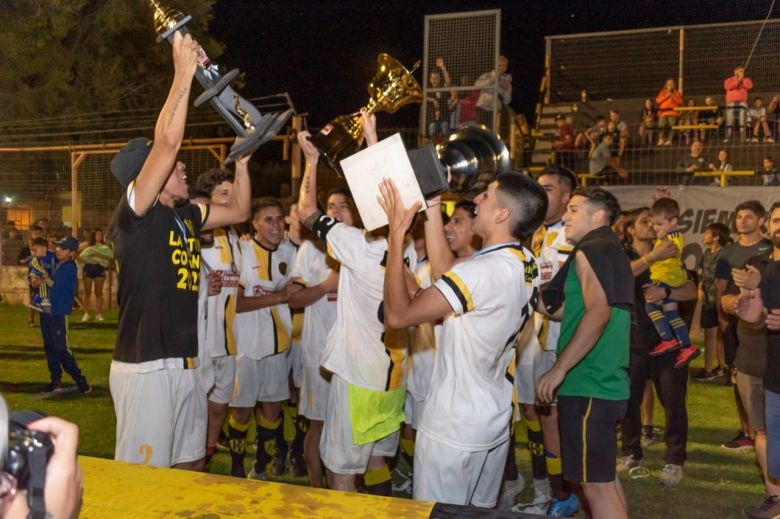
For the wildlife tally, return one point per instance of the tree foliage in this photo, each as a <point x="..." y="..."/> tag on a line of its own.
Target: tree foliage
<point x="65" y="57"/>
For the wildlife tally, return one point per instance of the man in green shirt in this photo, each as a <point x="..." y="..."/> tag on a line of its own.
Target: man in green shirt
<point x="590" y="376"/>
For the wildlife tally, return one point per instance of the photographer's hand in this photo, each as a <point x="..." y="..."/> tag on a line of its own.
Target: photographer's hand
<point x="64" y="481"/>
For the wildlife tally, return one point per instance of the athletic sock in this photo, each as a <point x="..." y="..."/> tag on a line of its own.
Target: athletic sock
<point x="678" y="327"/>
<point x="237" y="441"/>
<point x="555" y="473"/>
<point x="301" y="427"/>
<point x="407" y="450"/>
<point x="378" y="481"/>
<point x="267" y="435"/>
<point x="536" y="446"/>
<point x="660" y="322"/>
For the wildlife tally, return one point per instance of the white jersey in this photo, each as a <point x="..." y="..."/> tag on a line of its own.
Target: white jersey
<point x="552" y="250"/>
<point x="357" y="348"/>
<point x="469" y="405"/>
<point x="216" y="314"/>
<point x="266" y="331"/>
<point x="311" y="269"/>
<point x="423" y="344"/>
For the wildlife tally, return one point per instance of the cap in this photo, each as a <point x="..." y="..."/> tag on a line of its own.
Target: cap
<point x="127" y="164"/>
<point x="68" y="243"/>
<point x="559" y="117"/>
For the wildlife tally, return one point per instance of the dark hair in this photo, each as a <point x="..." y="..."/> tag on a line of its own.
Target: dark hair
<point x="264" y="202"/>
<point x="757" y="98"/>
<point x="614" y="111"/>
<point x="667" y="207"/>
<point x="770" y="159"/>
<point x="40" y="241"/>
<point x="346" y="193"/>
<point x="751" y="205"/>
<point x="36" y="228"/>
<point x="565" y="176"/>
<point x="721" y="233"/>
<point x="526" y="200"/>
<point x="600" y="118"/>
<point x="341" y="190"/>
<point x="469" y="206"/>
<point x="772" y="209"/>
<point x="93" y="236"/>
<point x="212" y="178"/>
<point x="631" y="218"/>
<point x="601" y="199"/>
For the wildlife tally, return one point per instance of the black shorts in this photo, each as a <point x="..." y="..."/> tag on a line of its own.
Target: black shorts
<point x="709" y="316"/>
<point x="93" y="270"/>
<point x="588" y="429"/>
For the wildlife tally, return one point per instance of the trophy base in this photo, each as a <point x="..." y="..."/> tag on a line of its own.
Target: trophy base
<point x="266" y="130"/>
<point x="218" y="87"/>
<point x="179" y="25"/>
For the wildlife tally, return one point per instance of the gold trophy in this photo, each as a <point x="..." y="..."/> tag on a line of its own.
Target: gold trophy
<point x="391" y="88"/>
<point x="242" y="116"/>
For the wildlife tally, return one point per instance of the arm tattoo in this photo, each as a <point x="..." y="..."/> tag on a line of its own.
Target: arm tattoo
<point x="175" y="107"/>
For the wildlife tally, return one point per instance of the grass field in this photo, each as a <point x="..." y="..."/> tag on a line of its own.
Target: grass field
<point x="718" y="483"/>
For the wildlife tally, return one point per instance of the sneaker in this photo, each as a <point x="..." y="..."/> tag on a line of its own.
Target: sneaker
<point x="667" y="143"/>
<point x="541" y="500"/>
<point x="720" y="371"/>
<point x="85" y="318"/>
<point x="685" y="356"/>
<point x="84" y="387"/>
<point x="99" y="318"/>
<point x="31" y="323"/>
<point x="279" y="465"/>
<point x="665" y="347"/>
<point x="648" y="435"/>
<point x="298" y="466"/>
<point x="253" y="474"/>
<point x="660" y="142"/>
<point x="741" y="442"/>
<point x="510" y="489"/>
<point x="564" y="508"/>
<point x="404" y="483"/>
<point x="769" y="509"/>
<point x="223" y="443"/>
<point x="52" y="387"/>
<point x="671" y="475"/>
<point x="536" y="508"/>
<point x="705" y="376"/>
<point x="627" y="463"/>
<point x="770" y="140"/>
<point x="238" y="471"/>
<point x="35" y="306"/>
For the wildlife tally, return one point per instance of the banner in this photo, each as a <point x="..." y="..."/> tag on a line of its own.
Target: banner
<point x="699" y="207"/>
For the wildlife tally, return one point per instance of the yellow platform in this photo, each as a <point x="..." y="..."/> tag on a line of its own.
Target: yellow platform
<point x="114" y="489"/>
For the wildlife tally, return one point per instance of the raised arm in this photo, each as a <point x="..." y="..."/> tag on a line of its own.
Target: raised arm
<point x="169" y="130"/>
<point x="307" y="196"/>
<point x="239" y="206"/>
<point x="440" y="255"/>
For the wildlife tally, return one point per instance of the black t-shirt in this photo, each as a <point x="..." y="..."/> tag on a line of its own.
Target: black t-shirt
<point x="158" y="256"/>
<point x="770" y="293"/>
<point x="735" y="255"/>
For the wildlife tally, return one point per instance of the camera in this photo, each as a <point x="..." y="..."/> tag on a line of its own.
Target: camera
<point x="28" y="454"/>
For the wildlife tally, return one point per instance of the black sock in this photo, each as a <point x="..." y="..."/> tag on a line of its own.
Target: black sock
<point x="378" y="481"/>
<point x="536" y="446"/>
<point x="237" y="441"/>
<point x="266" y="442"/>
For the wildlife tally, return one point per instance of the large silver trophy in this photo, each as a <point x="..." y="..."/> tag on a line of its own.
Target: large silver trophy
<point x="246" y="120"/>
<point x="472" y="158"/>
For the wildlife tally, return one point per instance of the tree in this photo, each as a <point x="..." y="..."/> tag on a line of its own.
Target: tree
<point x="66" y="57"/>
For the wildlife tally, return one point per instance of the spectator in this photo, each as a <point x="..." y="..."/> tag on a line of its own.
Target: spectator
<point x="756" y="117"/>
<point x="692" y="162"/>
<point x="649" y="118"/>
<point x="768" y="172"/>
<point x="25" y="254"/>
<point x="97" y="258"/>
<point x="715" y="237"/>
<point x="564" y="145"/>
<point x="773" y="114"/>
<point x="622" y="131"/>
<point x="487" y="103"/>
<point x="668" y="99"/>
<point x="602" y="163"/>
<point x="723" y="165"/>
<point x="441" y="102"/>
<point x="524" y="141"/>
<point x="466" y="109"/>
<point x="592" y="136"/>
<point x="690" y="118"/>
<point x="736" y="87"/>
<point x="712" y="117"/>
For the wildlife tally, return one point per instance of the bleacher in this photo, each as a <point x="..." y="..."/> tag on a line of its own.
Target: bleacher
<point x="588" y="75"/>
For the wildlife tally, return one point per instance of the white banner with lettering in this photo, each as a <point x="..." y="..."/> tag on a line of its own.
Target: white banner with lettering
<point x="699" y="207"/>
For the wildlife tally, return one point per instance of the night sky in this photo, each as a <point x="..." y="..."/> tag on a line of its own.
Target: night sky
<point x="324" y="53"/>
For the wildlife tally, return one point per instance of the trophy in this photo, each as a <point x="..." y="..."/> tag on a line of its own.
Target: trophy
<point x="473" y="156"/>
<point x="391" y="88"/>
<point x="240" y="114"/>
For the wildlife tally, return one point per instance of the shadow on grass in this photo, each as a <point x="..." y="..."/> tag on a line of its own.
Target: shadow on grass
<point x="92" y="326"/>
<point x="17" y="352"/>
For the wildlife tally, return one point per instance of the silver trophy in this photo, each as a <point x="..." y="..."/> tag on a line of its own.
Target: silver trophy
<point x="240" y="114"/>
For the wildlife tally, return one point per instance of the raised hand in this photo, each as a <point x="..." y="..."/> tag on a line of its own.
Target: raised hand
<point x="399" y="217"/>
<point x="310" y="151"/>
<point x="185" y="54"/>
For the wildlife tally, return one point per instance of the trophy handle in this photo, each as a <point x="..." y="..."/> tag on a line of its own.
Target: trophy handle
<point x="218" y="87"/>
<point x="180" y="26"/>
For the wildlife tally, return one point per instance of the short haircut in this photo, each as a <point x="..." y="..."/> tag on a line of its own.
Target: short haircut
<point x="721" y="233"/>
<point x="343" y="191"/>
<point x="40" y="241"/>
<point x="770" y="159"/>
<point x="600" y="198"/>
<point x="36" y="228"/>
<point x="772" y="209"/>
<point x="212" y="178"/>
<point x="265" y="202"/>
<point x="600" y="118"/>
<point x="566" y="177"/>
<point x="526" y="200"/>
<point x="666" y="207"/>
<point x="469" y="206"/>
<point x="757" y="98"/>
<point x="753" y="206"/>
<point x="613" y="111"/>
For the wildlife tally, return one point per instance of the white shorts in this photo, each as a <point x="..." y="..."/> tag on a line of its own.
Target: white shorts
<point x="263" y="380"/>
<point x="315" y="386"/>
<point x="448" y="475"/>
<point x="296" y="367"/>
<point x="160" y="416"/>
<point x="534" y="362"/>
<point x="337" y="450"/>
<point x="412" y="410"/>
<point x="224" y="379"/>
